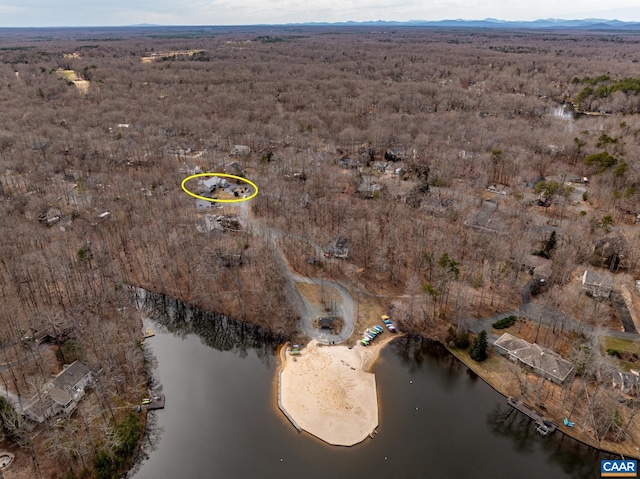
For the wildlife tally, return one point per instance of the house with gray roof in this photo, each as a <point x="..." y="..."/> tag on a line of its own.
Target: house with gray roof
<point x="338" y="248"/>
<point x="211" y="184"/>
<point x="628" y="383"/>
<point x="542" y="361"/>
<point x="234" y="168"/>
<point x="507" y="343"/>
<point x="487" y="219"/>
<point x="62" y="394"/>
<point x="240" y="150"/>
<point x="350" y="163"/>
<point x="537" y="265"/>
<point x="596" y="284"/>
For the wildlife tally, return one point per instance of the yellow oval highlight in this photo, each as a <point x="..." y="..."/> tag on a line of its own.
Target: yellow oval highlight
<point x="215" y="200"/>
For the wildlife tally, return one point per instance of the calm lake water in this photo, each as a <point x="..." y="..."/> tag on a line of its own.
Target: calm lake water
<point x="437" y="420"/>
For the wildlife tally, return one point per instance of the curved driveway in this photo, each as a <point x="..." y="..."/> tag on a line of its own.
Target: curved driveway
<point x="308" y="311"/>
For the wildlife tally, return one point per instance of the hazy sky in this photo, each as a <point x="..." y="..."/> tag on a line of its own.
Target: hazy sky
<point x="18" y="13"/>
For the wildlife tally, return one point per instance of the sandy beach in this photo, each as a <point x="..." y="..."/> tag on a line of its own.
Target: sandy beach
<point x="327" y="392"/>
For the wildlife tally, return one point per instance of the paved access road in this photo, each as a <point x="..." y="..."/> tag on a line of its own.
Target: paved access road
<point x="540" y="313"/>
<point x="308" y="312"/>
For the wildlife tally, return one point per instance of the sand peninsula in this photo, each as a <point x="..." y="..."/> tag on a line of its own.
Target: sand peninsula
<point x="327" y="391"/>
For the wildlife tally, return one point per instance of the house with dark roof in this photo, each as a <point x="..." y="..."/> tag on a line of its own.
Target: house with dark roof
<point x="542" y="361"/>
<point x="43" y="336"/>
<point x="62" y="394"/>
<point x="535" y="181"/>
<point x="394" y="154"/>
<point x="234" y="168"/>
<point x="350" y="163"/>
<point x="338" y="248"/>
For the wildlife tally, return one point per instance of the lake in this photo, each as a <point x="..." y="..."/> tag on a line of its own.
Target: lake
<point x="437" y="419"/>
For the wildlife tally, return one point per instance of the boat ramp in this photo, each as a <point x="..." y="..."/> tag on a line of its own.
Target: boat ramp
<point x="543" y="426"/>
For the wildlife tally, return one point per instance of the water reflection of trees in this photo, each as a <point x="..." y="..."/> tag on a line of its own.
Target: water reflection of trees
<point x="506" y="421"/>
<point x="415" y="352"/>
<point x="152" y="433"/>
<point x="575" y="458"/>
<point x="215" y="330"/>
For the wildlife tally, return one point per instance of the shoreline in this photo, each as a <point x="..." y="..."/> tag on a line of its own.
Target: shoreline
<point x="561" y="428"/>
<point x="374" y="354"/>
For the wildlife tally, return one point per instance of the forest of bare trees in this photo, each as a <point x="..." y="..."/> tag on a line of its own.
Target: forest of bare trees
<point x="479" y="144"/>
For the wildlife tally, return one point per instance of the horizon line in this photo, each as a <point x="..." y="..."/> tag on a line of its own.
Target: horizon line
<point x="335" y="23"/>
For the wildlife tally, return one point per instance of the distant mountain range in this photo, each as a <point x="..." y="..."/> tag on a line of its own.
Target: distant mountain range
<point x="550" y="23"/>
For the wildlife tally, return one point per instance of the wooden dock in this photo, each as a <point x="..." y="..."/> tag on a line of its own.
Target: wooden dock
<point x="148" y="333"/>
<point x="157" y="402"/>
<point x="543" y="426"/>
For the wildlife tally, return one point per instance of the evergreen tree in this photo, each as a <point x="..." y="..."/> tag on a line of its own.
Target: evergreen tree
<point x="462" y="339"/>
<point x="550" y="244"/>
<point x="478" y="350"/>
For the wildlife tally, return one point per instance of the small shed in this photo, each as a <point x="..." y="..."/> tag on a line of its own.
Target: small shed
<point x="326" y="322"/>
